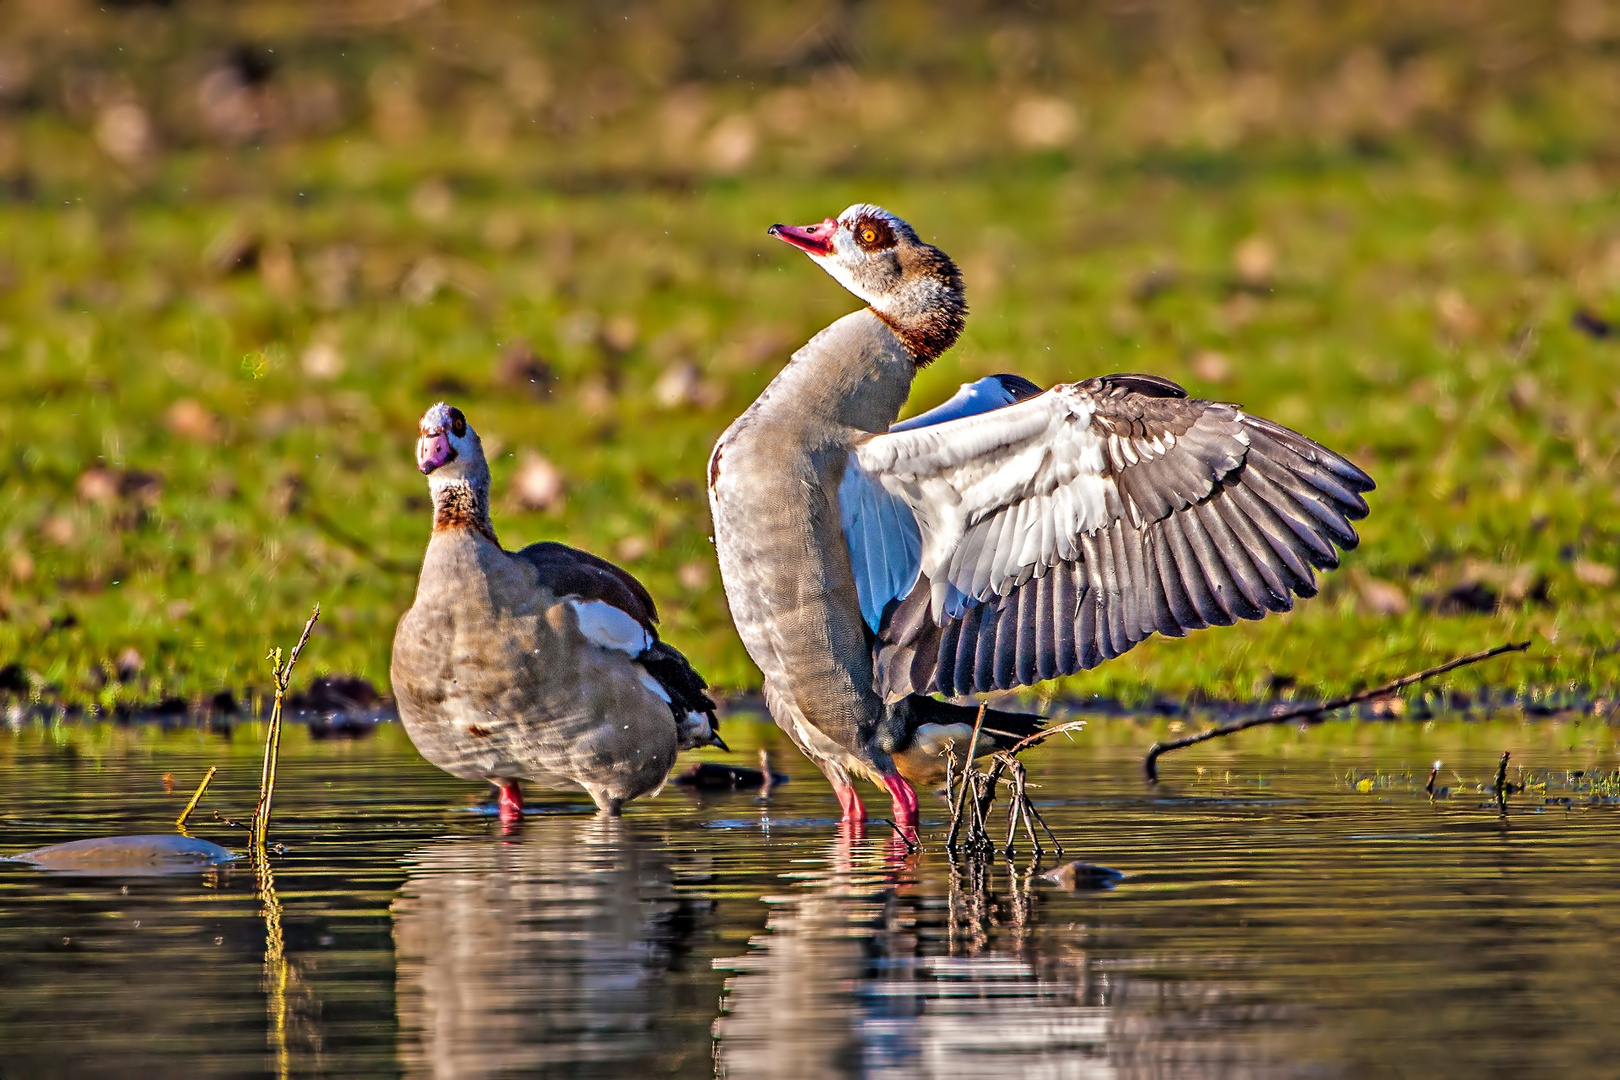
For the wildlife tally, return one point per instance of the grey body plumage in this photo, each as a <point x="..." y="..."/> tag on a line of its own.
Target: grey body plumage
<point x="539" y="665"/>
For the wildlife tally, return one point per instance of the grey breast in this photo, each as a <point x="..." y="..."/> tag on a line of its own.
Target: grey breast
<point x="782" y="552"/>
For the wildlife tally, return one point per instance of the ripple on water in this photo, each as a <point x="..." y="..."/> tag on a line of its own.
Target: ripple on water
<point x="1274" y="921"/>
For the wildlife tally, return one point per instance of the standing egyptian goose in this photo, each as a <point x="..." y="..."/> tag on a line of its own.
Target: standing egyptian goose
<point x="542" y="664"/>
<point x="1007" y="537"/>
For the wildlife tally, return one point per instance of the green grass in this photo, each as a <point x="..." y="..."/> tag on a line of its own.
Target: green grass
<point x="1407" y="304"/>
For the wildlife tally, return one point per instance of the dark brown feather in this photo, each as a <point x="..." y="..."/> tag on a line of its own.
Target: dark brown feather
<point x="567" y="571"/>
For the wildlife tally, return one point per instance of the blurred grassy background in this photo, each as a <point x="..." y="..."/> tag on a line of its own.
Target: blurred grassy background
<point x="243" y="246"/>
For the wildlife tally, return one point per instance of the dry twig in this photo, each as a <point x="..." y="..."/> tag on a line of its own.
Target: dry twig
<point x="180" y="822"/>
<point x="972" y="810"/>
<point x="282" y="673"/>
<point x="1317" y="713"/>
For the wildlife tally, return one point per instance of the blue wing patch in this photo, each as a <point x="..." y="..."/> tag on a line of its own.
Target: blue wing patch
<point x="885" y="545"/>
<point x="990" y="392"/>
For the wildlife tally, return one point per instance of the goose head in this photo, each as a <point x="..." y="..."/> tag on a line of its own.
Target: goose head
<point x="911" y="285"/>
<point x="449" y="452"/>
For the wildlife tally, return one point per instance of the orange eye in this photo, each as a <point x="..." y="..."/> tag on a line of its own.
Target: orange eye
<point x="868" y="235"/>
<point x="458" y="426"/>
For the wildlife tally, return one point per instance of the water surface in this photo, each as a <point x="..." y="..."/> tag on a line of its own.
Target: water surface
<point x="1294" y="905"/>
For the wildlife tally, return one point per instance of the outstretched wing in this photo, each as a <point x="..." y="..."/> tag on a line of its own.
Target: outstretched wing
<point x="1057" y="532"/>
<point x="885" y="546"/>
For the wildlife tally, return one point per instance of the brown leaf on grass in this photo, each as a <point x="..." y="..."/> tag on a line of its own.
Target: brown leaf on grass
<point x="104" y="486"/>
<point x="97" y="485"/>
<point x="1379" y="597"/>
<point x="129" y="664"/>
<point x="538" y="484"/>
<point x="433" y="201"/>
<point x="279" y="271"/>
<point x="1457" y="316"/>
<point x="1043" y="123"/>
<point x="620" y="333"/>
<point x="189" y="419"/>
<point x="322" y="361"/>
<point x="731" y="145"/>
<point x="58" y="529"/>
<point x="681" y="384"/>
<point x="287" y="494"/>
<point x="1596" y="574"/>
<point x="1211" y="366"/>
<point x="1255" y="260"/>
<point x="124" y="133"/>
<point x="520" y="368"/>
<point x="694" y="575"/>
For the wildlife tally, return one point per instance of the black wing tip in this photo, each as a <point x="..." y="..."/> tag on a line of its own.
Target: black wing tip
<point x="1340" y="466"/>
<point x="1018" y="388"/>
<point x="1006" y="727"/>
<point x="1139" y="383"/>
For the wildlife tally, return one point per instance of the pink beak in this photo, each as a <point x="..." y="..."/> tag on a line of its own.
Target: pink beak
<point x="810" y="239"/>
<point x="432" y="451"/>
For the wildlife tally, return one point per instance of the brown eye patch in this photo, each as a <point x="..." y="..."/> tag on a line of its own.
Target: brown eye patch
<point x="458" y="423"/>
<point x="873" y="233"/>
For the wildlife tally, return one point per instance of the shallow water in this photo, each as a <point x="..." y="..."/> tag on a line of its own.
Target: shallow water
<point x="1293" y="905"/>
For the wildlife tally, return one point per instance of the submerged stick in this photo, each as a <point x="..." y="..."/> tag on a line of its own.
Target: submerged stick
<point x="180" y="822"/>
<point x="967" y="773"/>
<point x="973" y="802"/>
<point x="1315" y="712"/>
<point x="282" y="673"/>
<point x="277" y="969"/>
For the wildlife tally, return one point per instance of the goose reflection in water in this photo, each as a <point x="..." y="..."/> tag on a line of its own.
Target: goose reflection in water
<point x="867" y="972"/>
<point x="546" y="954"/>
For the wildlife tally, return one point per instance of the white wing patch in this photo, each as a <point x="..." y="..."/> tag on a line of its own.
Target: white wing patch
<point x="610" y="627"/>
<point x="885" y="545"/>
<point x="998" y="495"/>
<point x="653" y="684"/>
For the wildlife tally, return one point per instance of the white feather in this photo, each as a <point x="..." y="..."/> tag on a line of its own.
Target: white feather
<point x="653" y="684"/>
<point x="612" y="628"/>
<point x="998" y="493"/>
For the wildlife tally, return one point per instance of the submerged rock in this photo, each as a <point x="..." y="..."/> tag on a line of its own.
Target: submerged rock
<point x="156" y="853"/>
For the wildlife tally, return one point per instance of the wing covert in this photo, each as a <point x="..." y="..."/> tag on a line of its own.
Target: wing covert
<point x="1061" y="531"/>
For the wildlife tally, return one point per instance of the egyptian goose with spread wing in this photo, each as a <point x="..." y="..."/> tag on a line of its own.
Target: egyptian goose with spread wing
<point x="1007" y="537"/>
<point x="542" y="664"/>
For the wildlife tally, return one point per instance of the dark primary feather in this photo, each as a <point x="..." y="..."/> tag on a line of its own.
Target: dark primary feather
<point x="1229" y="523"/>
<point x="1006" y="728"/>
<point x="686" y="688"/>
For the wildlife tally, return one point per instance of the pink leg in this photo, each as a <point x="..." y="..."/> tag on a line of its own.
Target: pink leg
<point x="905" y="801"/>
<point x="511" y="802"/>
<point x="850" y="800"/>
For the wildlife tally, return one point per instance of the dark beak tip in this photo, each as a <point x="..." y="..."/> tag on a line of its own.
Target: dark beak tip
<point x="721" y="743"/>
